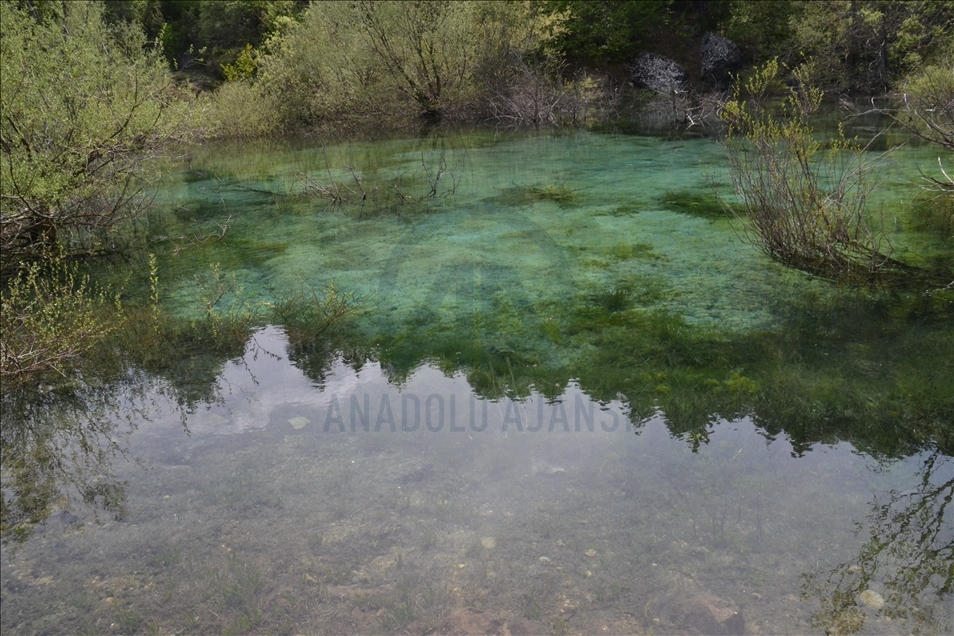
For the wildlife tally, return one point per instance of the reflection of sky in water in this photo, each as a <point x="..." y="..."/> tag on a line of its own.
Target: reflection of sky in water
<point x="604" y="521"/>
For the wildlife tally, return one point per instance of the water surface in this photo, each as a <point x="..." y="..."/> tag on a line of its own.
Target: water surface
<point x="571" y="399"/>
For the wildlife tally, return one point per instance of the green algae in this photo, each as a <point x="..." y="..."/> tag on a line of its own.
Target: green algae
<point x="627" y="251"/>
<point x="704" y="205"/>
<point x="521" y="196"/>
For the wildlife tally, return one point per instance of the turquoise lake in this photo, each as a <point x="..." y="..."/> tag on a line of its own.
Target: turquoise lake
<point x="488" y="382"/>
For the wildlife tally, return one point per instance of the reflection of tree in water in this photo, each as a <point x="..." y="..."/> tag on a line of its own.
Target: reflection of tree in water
<point x="909" y="555"/>
<point x="59" y="440"/>
<point x="58" y="447"/>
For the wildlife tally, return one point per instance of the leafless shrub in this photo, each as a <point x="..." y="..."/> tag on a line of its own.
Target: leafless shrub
<point x="382" y="196"/>
<point x="802" y="204"/>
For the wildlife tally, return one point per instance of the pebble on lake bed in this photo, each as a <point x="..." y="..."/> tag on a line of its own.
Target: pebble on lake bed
<point x="870" y="599"/>
<point x="489" y="543"/>
<point x="299" y="423"/>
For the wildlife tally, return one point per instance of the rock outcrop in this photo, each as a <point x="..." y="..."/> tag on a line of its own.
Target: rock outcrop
<point x="657" y="73"/>
<point x="721" y="58"/>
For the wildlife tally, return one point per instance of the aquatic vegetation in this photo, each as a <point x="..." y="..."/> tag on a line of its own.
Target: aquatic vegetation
<point x="609" y="592"/>
<point x="312" y="312"/>
<point x="237" y="585"/>
<point x="935" y="214"/>
<point x="373" y="194"/>
<point x="643" y="251"/>
<point x="238" y="487"/>
<point x="519" y="196"/>
<point x="400" y="608"/>
<point x="705" y="205"/>
<point x="127" y="620"/>
<point x="166" y="558"/>
<point x="626" y="209"/>
<point x="243" y="624"/>
<point x="535" y="599"/>
<point x="616" y="299"/>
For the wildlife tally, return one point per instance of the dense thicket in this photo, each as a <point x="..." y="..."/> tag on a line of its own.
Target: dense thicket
<point x="309" y="63"/>
<point x="604" y="30"/>
<point x="862" y="46"/>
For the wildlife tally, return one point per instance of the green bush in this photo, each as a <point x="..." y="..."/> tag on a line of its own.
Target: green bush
<point x="84" y="105"/>
<point x="385" y="64"/>
<point x="51" y="317"/>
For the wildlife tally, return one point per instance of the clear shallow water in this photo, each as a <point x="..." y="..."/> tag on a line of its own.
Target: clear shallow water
<point x="623" y="419"/>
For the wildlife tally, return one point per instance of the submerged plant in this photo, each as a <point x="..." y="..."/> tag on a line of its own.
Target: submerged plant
<point x="315" y="312"/>
<point x="616" y="299"/>
<point x="528" y="195"/>
<point x="706" y="206"/>
<point x="369" y="197"/>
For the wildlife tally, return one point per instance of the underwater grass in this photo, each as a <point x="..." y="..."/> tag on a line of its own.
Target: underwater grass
<point x="934" y="215"/>
<point x="703" y="205"/>
<point x="521" y="196"/>
<point x="641" y="251"/>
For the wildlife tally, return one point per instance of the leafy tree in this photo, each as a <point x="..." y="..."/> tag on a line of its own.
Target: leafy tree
<point x="231" y="24"/>
<point x="866" y="45"/>
<point x="605" y="30"/>
<point x="84" y="106"/>
<point x="373" y="59"/>
<point x="147" y="14"/>
<point x="244" y="67"/>
<point x="761" y="28"/>
<point x="854" y="45"/>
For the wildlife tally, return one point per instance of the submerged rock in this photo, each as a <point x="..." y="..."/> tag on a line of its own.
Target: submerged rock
<point x="703" y="613"/>
<point x="299" y="423"/>
<point x="870" y="599"/>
